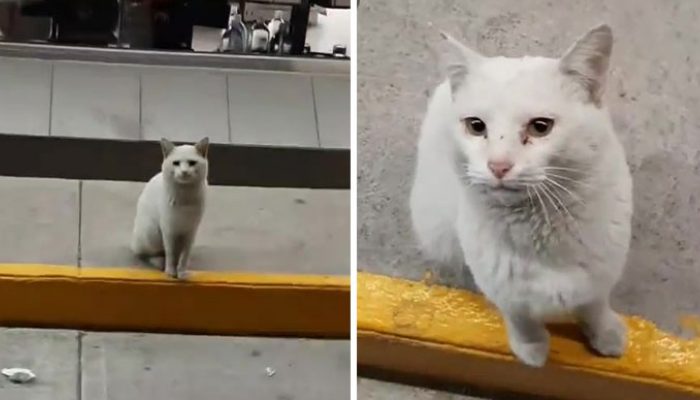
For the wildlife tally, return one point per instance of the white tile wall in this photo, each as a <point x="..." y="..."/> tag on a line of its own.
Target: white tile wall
<point x="184" y="104"/>
<point x="333" y="111"/>
<point x="95" y="100"/>
<point x="272" y="109"/>
<point x="25" y="92"/>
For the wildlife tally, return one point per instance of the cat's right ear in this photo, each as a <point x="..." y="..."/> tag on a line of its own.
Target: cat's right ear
<point x="167" y="146"/>
<point x="461" y="60"/>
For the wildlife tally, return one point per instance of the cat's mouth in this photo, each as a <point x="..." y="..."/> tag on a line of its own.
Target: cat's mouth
<point x="506" y="187"/>
<point x="186" y="179"/>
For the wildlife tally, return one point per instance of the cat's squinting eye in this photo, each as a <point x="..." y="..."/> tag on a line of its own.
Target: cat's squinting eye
<point x="475" y="126"/>
<point x="192" y="163"/>
<point x="539" y="127"/>
<point x="176" y="163"/>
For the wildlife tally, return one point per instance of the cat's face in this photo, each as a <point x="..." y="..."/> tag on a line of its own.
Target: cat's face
<point x="520" y="122"/>
<point x="186" y="164"/>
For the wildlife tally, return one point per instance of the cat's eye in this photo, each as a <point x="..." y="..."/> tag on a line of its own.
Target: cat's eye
<point x="191" y="163"/>
<point x="539" y="127"/>
<point x="475" y="126"/>
<point x="176" y="163"/>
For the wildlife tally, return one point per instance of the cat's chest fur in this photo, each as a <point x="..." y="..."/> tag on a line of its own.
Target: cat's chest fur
<point x="519" y="260"/>
<point x="174" y="209"/>
<point x="182" y="213"/>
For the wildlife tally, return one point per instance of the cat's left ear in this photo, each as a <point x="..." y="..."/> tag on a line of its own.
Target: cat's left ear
<point x="588" y="59"/>
<point x="202" y="147"/>
<point x="461" y="60"/>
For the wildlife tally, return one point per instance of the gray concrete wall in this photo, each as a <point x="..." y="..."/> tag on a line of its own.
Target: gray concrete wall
<point x="653" y="94"/>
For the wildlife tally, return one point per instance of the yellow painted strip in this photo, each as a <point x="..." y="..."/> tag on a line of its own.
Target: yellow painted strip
<point x="443" y="334"/>
<point x="133" y="299"/>
<point x="138" y="274"/>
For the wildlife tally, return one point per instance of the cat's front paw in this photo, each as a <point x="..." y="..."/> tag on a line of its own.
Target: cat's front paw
<point x="183" y="275"/>
<point x="610" y="339"/>
<point x="171" y="272"/>
<point x="532" y="354"/>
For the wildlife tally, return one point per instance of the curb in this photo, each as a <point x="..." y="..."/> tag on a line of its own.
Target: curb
<point x="257" y="166"/>
<point x="449" y="336"/>
<point x="212" y="303"/>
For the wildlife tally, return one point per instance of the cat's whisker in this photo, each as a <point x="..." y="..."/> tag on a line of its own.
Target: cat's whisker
<point x="570" y="172"/>
<point x="544" y="207"/>
<point x="547" y="195"/>
<point x="527" y="180"/>
<point x="475" y="179"/>
<point x="560" y="201"/>
<point x="569" y="179"/>
<point x="529" y="196"/>
<point x="563" y="168"/>
<point x="574" y="196"/>
<point x="575" y="221"/>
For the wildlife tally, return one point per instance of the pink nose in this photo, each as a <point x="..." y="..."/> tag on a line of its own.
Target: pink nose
<point x="500" y="168"/>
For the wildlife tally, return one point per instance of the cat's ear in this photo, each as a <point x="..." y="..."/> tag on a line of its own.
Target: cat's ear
<point x="460" y="60"/>
<point x="588" y="59"/>
<point x="202" y="147"/>
<point x="167" y="146"/>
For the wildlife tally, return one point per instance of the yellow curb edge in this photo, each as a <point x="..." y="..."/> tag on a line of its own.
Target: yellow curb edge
<point x="215" y="303"/>
<point x="453" y="336"/>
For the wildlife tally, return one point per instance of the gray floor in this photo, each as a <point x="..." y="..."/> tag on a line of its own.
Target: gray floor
<point x="368" y="389"/>
<point x="72" y="365"/>
<point x="114" y="101"/>
<point x="653" y="93"/>
<point x="244" y="229"/>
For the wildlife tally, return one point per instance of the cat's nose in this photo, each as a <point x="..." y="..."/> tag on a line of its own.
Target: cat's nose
<point x="500" y="168"/>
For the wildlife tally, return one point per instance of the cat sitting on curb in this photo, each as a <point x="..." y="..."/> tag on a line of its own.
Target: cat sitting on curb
<point x="521" y="177"/>
<point x="171" y="206"/>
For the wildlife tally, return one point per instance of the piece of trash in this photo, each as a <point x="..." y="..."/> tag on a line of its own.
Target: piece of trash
<point x="18" y="375"/>
<point x="270" y="371"/>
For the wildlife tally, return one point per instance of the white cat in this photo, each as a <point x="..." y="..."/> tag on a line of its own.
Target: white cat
<point x="171" y="206"/>
<point x="521" y="176"/>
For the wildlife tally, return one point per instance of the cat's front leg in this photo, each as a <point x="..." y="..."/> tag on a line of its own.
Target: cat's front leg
<point x="605" y="330"/>
<point x="184" y="260"/>
<point x="173" y="244"/>
<point x="528" y="338"/>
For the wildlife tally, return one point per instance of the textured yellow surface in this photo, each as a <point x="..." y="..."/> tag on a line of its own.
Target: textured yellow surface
<point x="438" y="315"/>
<point x="138" y="274"/>
<point x="146" y="300"/>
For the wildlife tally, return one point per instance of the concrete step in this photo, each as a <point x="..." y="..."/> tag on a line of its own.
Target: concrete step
<point x="125" y="160"/>
<point x="89" y="223"/>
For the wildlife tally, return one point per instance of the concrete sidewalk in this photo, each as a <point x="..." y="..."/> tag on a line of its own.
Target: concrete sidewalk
<point x="247" y="229"/>
<point x="72" y="365"/>
<point x="369" y="389"/>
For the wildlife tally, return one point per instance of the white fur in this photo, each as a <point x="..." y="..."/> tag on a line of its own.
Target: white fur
<point x="536" y="256"/>
<point x="171" y="206"/>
